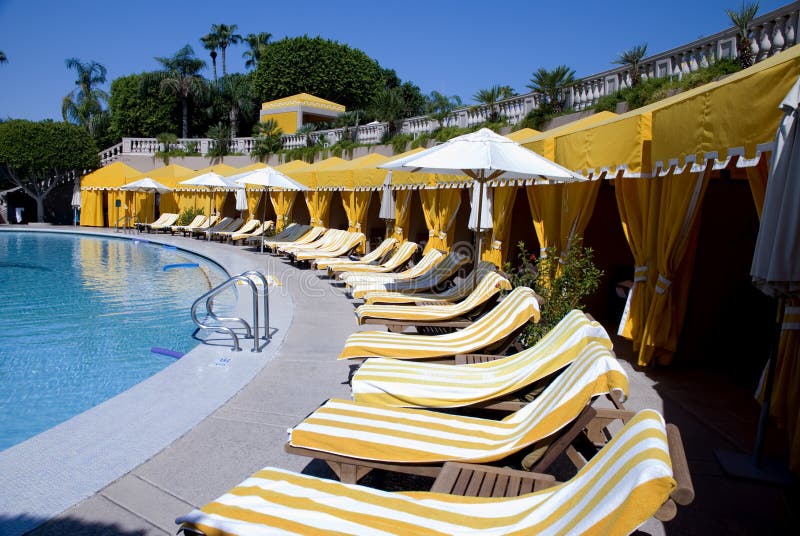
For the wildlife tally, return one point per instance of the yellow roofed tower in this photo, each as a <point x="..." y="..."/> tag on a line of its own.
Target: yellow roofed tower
<point x="290" y="113"/>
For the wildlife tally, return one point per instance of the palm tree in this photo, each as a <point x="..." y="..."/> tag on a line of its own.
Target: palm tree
<point x="84" y="104"/>
<point x="211" y="43"/>
<point x="180" y="78"/>
<point x="257" y="43"/>
<point x="237" y="93"/>
<point x="268" y="139"/>
<point x="225" y="36"/>
<point x="742" y="19"/>
<point x="388" y="105"/>
<point x="491" y="96"/>
<point x="3" y="57"/>
<point x="632" y="58"/>
<point x="551" y="85"/>
<point x="440" y="106"/>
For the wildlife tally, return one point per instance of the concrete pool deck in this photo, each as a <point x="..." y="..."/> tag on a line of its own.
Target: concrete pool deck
<point x="248" y="431"/>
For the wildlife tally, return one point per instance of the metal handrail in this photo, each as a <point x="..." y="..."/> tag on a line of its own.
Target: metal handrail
<point x="250" y="279"/>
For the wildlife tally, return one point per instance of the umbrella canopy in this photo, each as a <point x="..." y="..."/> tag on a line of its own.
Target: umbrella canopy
<point x="776" y="260"/>
<point x="485" y="205"/>
<point x="485" y="155"/>
<point x="270" y="178"/>
<point x="210" y="180"/>
<point x="387" y="211"/>
<point x="146" y="185"/>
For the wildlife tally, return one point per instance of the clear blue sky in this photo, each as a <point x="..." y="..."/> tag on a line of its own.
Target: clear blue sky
<point x="453" y="47"/>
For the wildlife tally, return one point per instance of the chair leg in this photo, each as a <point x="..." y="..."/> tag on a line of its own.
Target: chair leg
<point x="565" y="440"/>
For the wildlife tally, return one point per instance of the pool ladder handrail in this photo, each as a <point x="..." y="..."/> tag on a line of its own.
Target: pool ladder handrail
<point x="250" y="278"/>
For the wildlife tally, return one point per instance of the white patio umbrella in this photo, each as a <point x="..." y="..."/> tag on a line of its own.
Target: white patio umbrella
<point x="268" y="177"/>
<point x="486" y="205"/>
<point x="775" y="271"/>
<point x="146" y="185"/>
<point x="212" y="181"/>
<point x="76" y="200"/>
<point x="484" y="156"/>
<point x="387" y="211"/>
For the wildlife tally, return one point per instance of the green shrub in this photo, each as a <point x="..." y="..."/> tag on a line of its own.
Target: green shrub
<point x="188" y="215"/>
<point x="399" y="142"/>
<point x="562" y="283"/>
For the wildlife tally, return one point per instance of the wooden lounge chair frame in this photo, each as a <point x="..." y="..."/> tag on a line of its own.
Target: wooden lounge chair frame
<point x="470" y="480"/>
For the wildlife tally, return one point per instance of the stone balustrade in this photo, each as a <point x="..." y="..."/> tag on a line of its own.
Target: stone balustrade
<point x="770" y="33"/>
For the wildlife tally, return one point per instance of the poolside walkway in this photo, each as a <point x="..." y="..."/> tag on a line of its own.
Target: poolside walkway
<point x="248" y="432"/>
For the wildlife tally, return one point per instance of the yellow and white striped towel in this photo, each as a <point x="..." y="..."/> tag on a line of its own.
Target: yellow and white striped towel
<point x="458" y="292"/>
<point x="400" y="257"/>
<point x="373" y="256"/>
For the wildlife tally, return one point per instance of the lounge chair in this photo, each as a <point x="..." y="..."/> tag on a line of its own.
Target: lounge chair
<point x="356" y="437"/>
<point x="263" y="228"/>
<point x="400" y="317"/>
<point x="209" y="222"/>
<point x="293" y="231"/>
<point x="220" y="225"/>
<point x="403" y="383"/>
<point x="348" y="243"/>
<point x="197" y="221"/>
<point x="373" y="257"/>
<point x="399" y="259"/>
<point x="243" y="228"/>
<point x="161" y="219"/>
<point x="462" y="288"/>
<point x="164" y="225"/>
<point x="496" y="326"/>
<point x="641" y="473"/>
<point x="424" y="270"/>
<point x="309" y="236"/>
<point x="328" y="239"/>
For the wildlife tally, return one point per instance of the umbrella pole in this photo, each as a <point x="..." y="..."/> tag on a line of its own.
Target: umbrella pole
<point x="264" y="196"/>
<point x="479" y="241"/>
<point x="210" y="203"/>
<point x="755" y="467"/>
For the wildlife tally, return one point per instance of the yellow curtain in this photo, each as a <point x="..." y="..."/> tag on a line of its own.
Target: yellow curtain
<point x="203" y="200"/>
<point x="638" y="205"/>
<point x="785" y="394"/>
<point x="319" y="207"/>
<point x="757" y="177"/>
<point x="496" y="249"/>
<point x="402" y="203"/>
<point x="681" y="199"/>
<point x="92" y="208"/>
<point x="577" y="205"/>
<point x="356" y="206"/>
<point x="545" y="205"/>
<point x="440" y="206"/>
<point x="186" y="200"/>
<point x="116" y="215"/>
<point x="168" y="203"/>
<point x="253" y="198"/>
<point x="282" y="202"/>
<point x="219" y="201"/>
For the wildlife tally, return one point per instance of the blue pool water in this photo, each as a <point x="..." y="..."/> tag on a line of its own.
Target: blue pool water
<point x="78" y="317"/>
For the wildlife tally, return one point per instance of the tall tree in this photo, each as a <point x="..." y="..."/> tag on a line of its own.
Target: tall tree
<point x="491" y="96"/>
<point x="38" y="156"/>
<point x="742" y="19"/>
<point x="211" y="43"/>
<point x="389" y="106"/>
<point x="257" y="43"/>
<point x="632" y="58"/>
<point x="236" y="91"/>
<point x="440" y="106"/>
<point x="84" y="104"/>
<point x="551" y="84"/>
<point x="180" y="77"/>
<point x="139" y="109"/>
<point x="3" y="57"/>
<point x="226" y="35"/>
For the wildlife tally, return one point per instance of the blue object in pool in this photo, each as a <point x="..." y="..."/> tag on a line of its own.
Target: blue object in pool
<point x="166" y="352"/>
<point x="181" y="265"/>
<point x="165" y="246"/>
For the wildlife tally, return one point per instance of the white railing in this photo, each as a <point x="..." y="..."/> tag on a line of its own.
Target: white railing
<point x="770" y="33"/>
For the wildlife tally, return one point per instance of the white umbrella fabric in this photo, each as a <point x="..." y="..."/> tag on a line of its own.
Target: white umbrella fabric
<point x="76" y="200"/>
<point x="775" y="271"/>
<point x="486" y="209"/>
<point x="146" y="185"/>
<point x="387" y="211"/>
<point x="268" y="177"/>
<point x="241" y="199"/>
<point x="211" y="181"/>
<point x="483" y="156"/>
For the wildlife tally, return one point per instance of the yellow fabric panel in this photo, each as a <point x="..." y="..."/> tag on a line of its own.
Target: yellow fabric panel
<point x="293" y="165"/>
<point x="440" y="206"/>
<point x="187" y="200"/>
<point x="620" y="141"/>
<point x="402" y="204"/>
<point x="638" y="205"/>
<point x="308" y="175"/>
<point x="169" y="203"/>
<point x="251" y="167"/>
<point x="141" y="205"/>
<point x="785" y="394"/>
<point x="741" y="110"/>
<point x="115" y="214"/>
<point x="253" y="198"/>
<point x="407" y="178"/>
<point x="319" y="205"/>
<point x="757" y="178"/>
<point x="92" y="208"/>
<point x="578" y="199"/>
<point x="681" y="199"/>
<point x="496" y="249"/>
<point x="110" y="176"/>
<point x="220" y="169"/>
<point x="282" y="202"/>
<point x="522" y="134"/>
<point x="544" y="144"/>
<point x="545" y="204"/>
<point x="356" y="206"/>
<point x="219" y="201"/>
<point x="357" y="173"/>
<point x="169" y="176"/>
<point x="286" y="121"/>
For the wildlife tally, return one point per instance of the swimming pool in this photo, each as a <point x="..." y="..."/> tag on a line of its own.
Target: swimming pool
<point x="79" y="317"/>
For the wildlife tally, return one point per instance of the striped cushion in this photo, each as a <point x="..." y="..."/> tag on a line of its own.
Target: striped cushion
<point x="309" y="236"/>
<point x="400" y="435"/>
<point x="373" y="256"/>
<point x="459" y="291"/>
<point x="329" y="239"/>
<point x="519" y="307"/>
<point x="489" y="286"/>
<point x="361" y="285"/>
<point x="394" y="382"/>
<point x="343" y="245"/>
<point x="400" y="257"/>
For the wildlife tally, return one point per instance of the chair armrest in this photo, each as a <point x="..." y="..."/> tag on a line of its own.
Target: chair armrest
<point x="684" y="492"/>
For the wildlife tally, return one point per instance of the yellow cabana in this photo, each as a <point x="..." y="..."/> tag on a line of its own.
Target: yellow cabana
<point x="318" y="201"/>
<point x="522" y="134"/>
<point x="95" y="189"/>
<point x="283" y="200"/>
<point x="544" y="142"/>
<point x="142" y="204"/>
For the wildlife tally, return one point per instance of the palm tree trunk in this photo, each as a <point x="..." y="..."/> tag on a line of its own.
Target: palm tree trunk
<point x="233" y="117"/>
<point x="185" y="110"/>
<point x="39" y="208"/>
<point x="224" y="69"/>
<point x="214" y="63"/>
